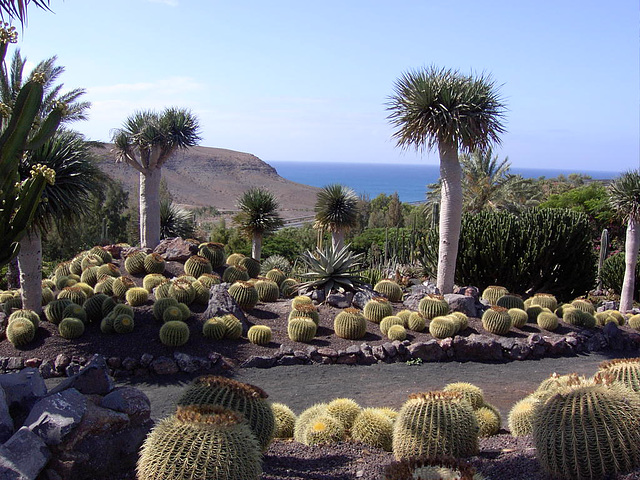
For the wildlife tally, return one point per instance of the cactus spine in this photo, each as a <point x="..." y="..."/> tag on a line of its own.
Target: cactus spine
<point x="134" y="263"/>
<point x="518" y="316"/>
<point x="374" y="428"/>
<point x="137" y="296"/>
<point x="20" y="332"/>
<point x="345" y="410"/>
<point x="301" y="329"/>
<point x="442" y="327"/>
<point x="197" y="265"/>
<point x="397" y="332"/>
<point x="71" y="328"/>
<point x="387" y="322"/>
<point x="285" y="420"/>
<point x="547" y="321"/>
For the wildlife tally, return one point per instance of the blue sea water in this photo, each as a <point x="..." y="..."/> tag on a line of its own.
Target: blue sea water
<point x="409" y="180"/>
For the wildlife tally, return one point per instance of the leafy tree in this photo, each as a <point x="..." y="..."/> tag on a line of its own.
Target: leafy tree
<point x="444" y="109"/>
<point x="336" y="211"/>
<point x="291" y="242"/>
<point x="624" y="195"/>
<point x="145" y="142"/>
<point x="230" y="237"/>
<point x="258" y="216"/>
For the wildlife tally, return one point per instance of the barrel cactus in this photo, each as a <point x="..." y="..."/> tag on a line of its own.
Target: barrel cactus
<point x="174" y="333"/>
<point x="350" y="324"/>
<point x="182" y="291"/>
<point x="397" y="332"/>
<point x="235" y="273"/>
<point x="373" y="427"/>
<point x="300" y="300"/>
<point x="215" y="329"/>
<point x="152" y="280"/>
<point x="71" y="328"/>
<point x="259" y="335"/>
<point x="172" y="314"/>
<point x="90" y="276"/>
<point x="469" y="392"/>
<point x="234" y="258"/>
<point x="11" y="303"/>
<point x="289" y="287"/>
<point x="387" y="322"/>
<point x="123" y="323"/>
<point x="442" y="327"/>
<point x="545" y="300"/>
<point x="137" y="296"/>
<point x="308" y="311"/>
<point x="345" y="410"/>
<point x="160" y="305"/>
<point x="76" y="311"/>
<point x="73" y="293"/>
<point x="518" y="316"/>
<point x="154" y="263"/>
<point x="584" y="305"/>
<point x="20" y="332"/>
<point x="47" y="295"/>
<point x="305" y="418"/>
<point x="185" y="310"/>
<point x="624" y="370"/>
<point x="65" y="281"/>
<point x="389" y="289"/>
<point x="121" y="285"/>
<point x="489" y="420"/>
<point x="377" y="308"/>
<point x="214" y="252"/>
<point x="521" y="415"/>
<point x="197" y="265"/>
<point x="435" y="423"/>
<point x="108" y="269"/>
<point x="245" y="295"/>
<point x="248" y="400"/>
<point x="324" y="430"/>
<point x="134" y="263"/>
<point x="416" y="322"/>
<point x="90" y="260"/>
<point x="268" y="290"/>
<point x="432" y="306"/>
<point x="510" y="301"/>
<point x="30" y="315"/>
<point x="207" y="441"/>
<point x="588" y="430"/>
<point x="108" y="305"/>
<point x="461" y="319"/>
<point x="547" y="321"/>
<point x="103" y="253"/>
<point x="233" y="326"/>
<point x="252" y="265"/>
<point x="276" y="275"/>
<point x="104" y="285"/>
<point x="493" y="293"/>
<point x="301" y="329"/>
<point x="431" y="468"/>
<point x="496" y="320"/>
<point x="634" y="322"/>
<point x="106" y="324"/>
<point x="285" y="420"/>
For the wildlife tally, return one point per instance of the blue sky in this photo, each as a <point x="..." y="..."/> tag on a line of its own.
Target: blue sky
<point x="308" y="81"/>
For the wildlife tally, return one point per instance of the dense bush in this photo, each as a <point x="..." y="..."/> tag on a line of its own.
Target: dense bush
<point x="542" y="250"/>
<point x="613" y="273"/>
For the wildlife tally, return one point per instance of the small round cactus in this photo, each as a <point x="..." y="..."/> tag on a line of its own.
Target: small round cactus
<point x="233" y="325"/>
<point x="65" y="281"/>
<point x="259" y="335"/>
<point x="197" y="265"/>
<point x="305" y="419"/>
<point x="519" y="317"/>
<point x="121" y="308"/>
<point x="584" y="305"/>
<point x="123" y="323"/>
<point x="510" y="301"/>
<point x="324" y="430"/>
<point x="109" y="270"/>
<point x="489" y="420"/>
<point x="416" y="322"/>
<point x="154" y="263"/>
<point x="182" y="291"/>
<point x="212" y="251"/>
<point x="300" y="300"/>
<point x="47" y="296"/>
<point x="153" y="280"/>
<point x="268" y="290"/>
<point x="404" y="315"/>
<point x="174" y="333"/>
<point x="245" y="295"/>
<point x="289" y="287"/>
<point x="442" y="327"/>
<point x="389" y="289"/>
<point x="634" y="322"/>
<point x="103" y="253"/>
<point x="496" y="320"/>
<point x="90" y="276"/>
<point x="461" y="319"/>
<point x="373" y="427"/>
<point x="108" y="305"/>
<point x="350" y="324"/>
<point x="63" y="269"/>
<point x="54" y="310"/>
<point x="547" y="321"/>
<point x="106" y="324"/>
<point x="214" y="328"/>
<point x="493" y="292"/>
<point x="235" y="273"/>
<point x="137" y="296"/>
<point x="172" y="314"/>
<point x="104" y="285"/>
<point x="301" y="329"/>
<point x="387" y="322"/>
<point x="625" y="371"/>
<point x="121" y="285"/>
<point x="134" y="263"/>
<point x="161" y="305"/>
<point x="211" y="440"/>
<point x="285" y="420"/>
<point x="432" y="306"/>
<point x="377" y="308"/>
<point x="209" y="280"/>
<point x="234" y="258"/>
<point x="71" y="328"/>
<point x="30" y="315"/>
<point x="76" y="311"/>
<point x="202" y="293"/>
<point x="397" y="332"/>
<point x="20" y="332"/>
<point x="545" y="300"/>
<point x="89" y="260"/>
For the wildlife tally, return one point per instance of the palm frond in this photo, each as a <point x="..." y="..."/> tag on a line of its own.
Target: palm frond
<point x="624" y="195"/>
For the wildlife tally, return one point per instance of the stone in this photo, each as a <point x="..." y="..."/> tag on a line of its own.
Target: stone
<point x="146" y="359"/>
<point x="347" y="359"/>
<point x="23" y="456"/>
<point x="129" y="363"/>
<point x="53" y="417"/>
<point x="416" y="294"/>
<point x="47" y="369"/>
<point x="34" y="362"/>
<point x="596" y="342"/>
<point x="6" y="421"/>
<point x="289" y="360"/>
<point x="340" y="300"/>
<point x="284" y="350"/>
<point x="72" y="369"/>
<point x="129" y="400"/>
<point x="558" y="347"/>
<point x="256" y="361"/>
<point x="221" y="303"/>
<point x="92" y="379"/>
<point x="114" y="362"/>
<point x="362" y="296"/>
<point x="23" y="389"/>
<point x="61" y="362"/>
<point x="429" y="351"/>
<point x="390" y="349"/>
<point x="301" y="355"/>
<point x="214" y="358"/>
<point x="462" y="303"/>
<point x="328" y="352"/>
<point x="378" y="352"/>
<point x="353" y="350"/>
<point x="176" y="249"/>
<point x="164" y="366"/>
<point x="477" y="347"/>
<point x="519" y="351"/>
<point x="318" y="296"/>
<point x="367" y="359"/>
<point x="614" y="336"/>
<point x="186" y="362"/>
<point x="401" y="348"/>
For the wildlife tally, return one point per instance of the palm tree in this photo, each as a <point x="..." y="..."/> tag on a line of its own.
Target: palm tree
<point x="624" y="195"/>
<point x="67" y="154"/>
<point x="337" y="211"/>
<point x="453" y="112"/>
<point x="258" y="215"/>
<point x="485" y="178"/>
<point x="18" y="8"/>
<point x="145" y="142"/>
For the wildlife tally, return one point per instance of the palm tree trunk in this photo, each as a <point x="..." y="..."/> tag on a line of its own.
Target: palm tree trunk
<point x="631" y="244"/>
<point x="337" y="239"/>
<point x="30" y="265"/>
<point x="256" y="246"/>
<point x="450" y="216"/>
<point x="150" y="208"/>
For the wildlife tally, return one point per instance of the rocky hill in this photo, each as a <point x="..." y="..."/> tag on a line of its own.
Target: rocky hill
<point x="204" y="176"/>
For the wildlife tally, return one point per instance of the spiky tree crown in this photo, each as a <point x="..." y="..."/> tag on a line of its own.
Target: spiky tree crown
<point x="437" y="105"/>
<point x="336" y="207"/>
<point x="624" y="195"/>
<point x="258" y="211"/>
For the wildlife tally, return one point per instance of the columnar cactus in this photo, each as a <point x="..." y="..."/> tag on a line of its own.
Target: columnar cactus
<point x="435" y="423"/>
<point x="496" y="320"/>
<point x="588" y="430"/>
<point x="210" y="441"/>
<point x="377" y="308"/>
<point x="390" y="289"/>
<point x="248" y="400"/>
<point x="350" y="324"/>
<point x="432" y="306"/>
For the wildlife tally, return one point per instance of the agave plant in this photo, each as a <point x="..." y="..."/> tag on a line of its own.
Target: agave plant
<point x="332" y="269"/>
<point x="175" y="221"/>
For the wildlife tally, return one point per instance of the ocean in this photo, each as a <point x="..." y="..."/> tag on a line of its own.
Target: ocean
<point x="408" y="180"/>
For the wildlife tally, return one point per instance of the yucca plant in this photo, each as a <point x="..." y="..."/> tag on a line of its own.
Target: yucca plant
<point x="330" y="269"/>
<point x="175" y="221"/>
